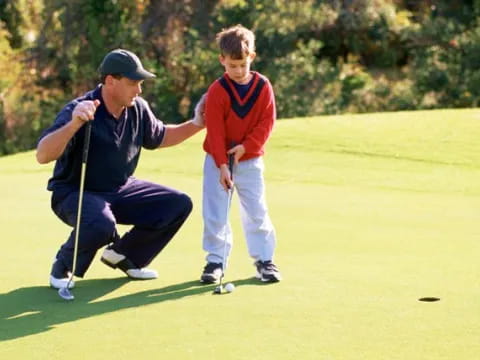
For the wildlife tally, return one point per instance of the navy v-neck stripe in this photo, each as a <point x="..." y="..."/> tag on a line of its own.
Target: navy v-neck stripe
<point x="243" y="89"/>
<point x="242" y="110"/>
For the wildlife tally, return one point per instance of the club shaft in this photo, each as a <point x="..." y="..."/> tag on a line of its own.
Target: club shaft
<point x="227" y="210"/>
<point x="86" y="145"/>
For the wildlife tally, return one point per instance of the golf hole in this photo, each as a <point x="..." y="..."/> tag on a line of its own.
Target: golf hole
<point x="429" y="299"/>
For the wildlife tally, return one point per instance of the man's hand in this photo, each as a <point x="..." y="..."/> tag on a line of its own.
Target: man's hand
<point x="237" y="151"/>
<point x="53" y="145"/>
<point x="85" y="111"/>
<point x="199" y="113"/>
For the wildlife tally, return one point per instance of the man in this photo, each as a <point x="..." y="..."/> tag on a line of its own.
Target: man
<point x="122" y="124"/>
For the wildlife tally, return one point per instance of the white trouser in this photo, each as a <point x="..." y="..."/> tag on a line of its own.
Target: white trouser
<point x="257" y="227"/>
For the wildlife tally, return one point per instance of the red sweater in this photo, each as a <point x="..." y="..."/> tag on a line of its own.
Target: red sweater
<point x="231" y="120"/>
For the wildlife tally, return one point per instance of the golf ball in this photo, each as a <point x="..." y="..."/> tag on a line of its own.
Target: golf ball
<point x="229" y="287"/>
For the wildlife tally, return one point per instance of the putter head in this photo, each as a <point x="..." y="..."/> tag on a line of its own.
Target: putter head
<point x="65" y="294"/>
<point x="218" y="289"/>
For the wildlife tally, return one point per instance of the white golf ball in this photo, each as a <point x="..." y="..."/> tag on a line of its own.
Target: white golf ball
<point x="229" y="287"/>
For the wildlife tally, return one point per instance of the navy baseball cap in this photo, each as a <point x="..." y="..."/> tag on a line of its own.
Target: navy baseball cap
<point x="125" y="63"/>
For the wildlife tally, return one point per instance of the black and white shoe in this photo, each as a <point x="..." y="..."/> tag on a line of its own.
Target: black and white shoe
<point x="267" y="271"/>
<point x="212" y="272"/>
<point x="60" y="275"/>
<point x="115" y="260"/>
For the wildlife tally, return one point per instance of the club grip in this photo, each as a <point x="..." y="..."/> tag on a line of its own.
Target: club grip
<point x="86" y="142"/>
<point x="231" y="159"/>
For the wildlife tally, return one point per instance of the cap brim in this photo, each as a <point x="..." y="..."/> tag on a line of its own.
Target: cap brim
<point x="140" y="74"/>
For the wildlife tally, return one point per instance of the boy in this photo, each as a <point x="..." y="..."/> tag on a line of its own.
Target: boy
<point x="239" y="116"/>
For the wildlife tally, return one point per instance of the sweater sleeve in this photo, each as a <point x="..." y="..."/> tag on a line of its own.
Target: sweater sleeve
<point x="258" y="136"/>
<point x="215" y="106"/>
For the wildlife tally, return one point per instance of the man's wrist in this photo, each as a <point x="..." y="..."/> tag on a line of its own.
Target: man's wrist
<point x="198" y="123"/>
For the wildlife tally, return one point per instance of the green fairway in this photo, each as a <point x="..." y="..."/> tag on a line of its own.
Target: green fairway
<point x="372" y="212"/>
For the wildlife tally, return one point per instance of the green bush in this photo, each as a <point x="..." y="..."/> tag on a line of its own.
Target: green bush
<point x="322" y="57"/>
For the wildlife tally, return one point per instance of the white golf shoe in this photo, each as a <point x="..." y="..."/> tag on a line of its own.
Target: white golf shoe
<point x="142" y="274"/>
<point x="61" y="283"/>
<point x="115" y="260"/>
<point x="59" y="276"/>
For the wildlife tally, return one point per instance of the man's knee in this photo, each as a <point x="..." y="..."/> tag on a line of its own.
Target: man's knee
<point x="180" y="208"/>
<point x="100" y="231"/>
<point x="186" y="204"/>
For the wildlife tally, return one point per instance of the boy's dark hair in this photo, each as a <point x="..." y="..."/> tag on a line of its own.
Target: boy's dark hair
<point x="236" y="41"/>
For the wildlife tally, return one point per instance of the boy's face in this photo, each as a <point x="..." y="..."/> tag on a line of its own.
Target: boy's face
<point x="238" y="69"/>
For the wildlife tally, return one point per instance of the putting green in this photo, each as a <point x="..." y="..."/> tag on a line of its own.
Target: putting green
<point x="372" y="212"/>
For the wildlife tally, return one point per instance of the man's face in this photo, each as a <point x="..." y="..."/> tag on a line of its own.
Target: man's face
<point x="125" y="90"/>
<point x="237" y="69"/>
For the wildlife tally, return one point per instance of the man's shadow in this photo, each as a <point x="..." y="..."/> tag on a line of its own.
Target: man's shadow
<point x="33" y="310"/>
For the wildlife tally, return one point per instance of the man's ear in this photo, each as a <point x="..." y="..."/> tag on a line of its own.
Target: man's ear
<point x="221" y="58"/>
<point x="109" y="79"/>
<point x="252" y="56"/>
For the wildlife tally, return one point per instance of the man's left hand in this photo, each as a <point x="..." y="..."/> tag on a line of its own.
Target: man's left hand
<point x="199" y="113"/>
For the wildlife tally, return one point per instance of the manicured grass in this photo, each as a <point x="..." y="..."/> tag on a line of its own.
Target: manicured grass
<point x="372" y="212"/>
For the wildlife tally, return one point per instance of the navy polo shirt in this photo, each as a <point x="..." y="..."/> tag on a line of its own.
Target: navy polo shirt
<point x="115" y="145"/>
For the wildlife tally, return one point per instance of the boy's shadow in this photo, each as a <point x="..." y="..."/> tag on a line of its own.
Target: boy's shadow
<point x="33" y="310"/>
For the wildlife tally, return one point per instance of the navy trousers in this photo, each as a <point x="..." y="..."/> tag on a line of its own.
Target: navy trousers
<point x="155" y="211"/>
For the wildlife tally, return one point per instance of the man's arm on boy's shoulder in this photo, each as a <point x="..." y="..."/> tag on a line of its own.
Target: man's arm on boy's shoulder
<point x="175" y="134"/>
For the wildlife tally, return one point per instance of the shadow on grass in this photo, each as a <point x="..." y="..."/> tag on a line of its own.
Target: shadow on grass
<point x="33" y="310"/>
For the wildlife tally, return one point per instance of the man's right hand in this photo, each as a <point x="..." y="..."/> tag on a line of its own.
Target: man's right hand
<point x="85" y="110"/>
<point x="53" y="145"/>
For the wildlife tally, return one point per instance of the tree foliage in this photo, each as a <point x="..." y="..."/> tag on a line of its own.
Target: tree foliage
<point x="322" y="56"/>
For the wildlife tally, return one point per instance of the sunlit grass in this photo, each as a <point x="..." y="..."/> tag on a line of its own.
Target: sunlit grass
<point x="372" y="212"/>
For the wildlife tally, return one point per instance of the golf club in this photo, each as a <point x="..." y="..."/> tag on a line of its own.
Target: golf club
<point x="65" y="292"/>
<point x="219" y="288"/>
